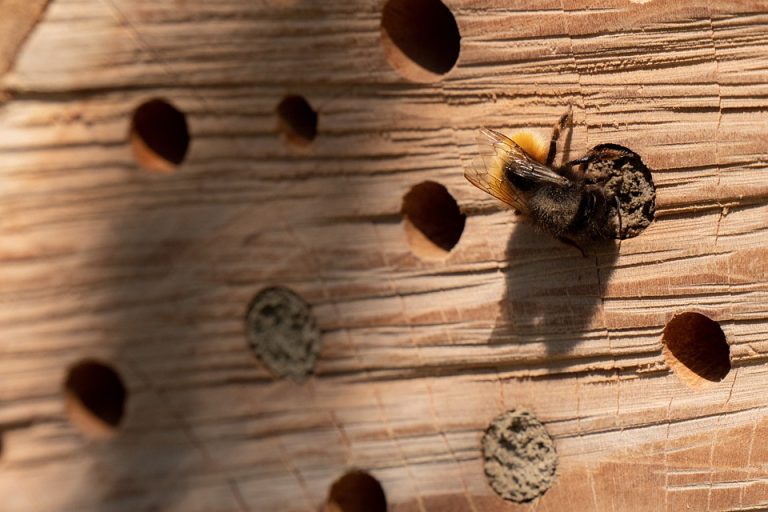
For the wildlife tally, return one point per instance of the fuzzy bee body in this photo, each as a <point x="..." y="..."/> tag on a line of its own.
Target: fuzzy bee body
<point x="559" y="210"/>
<point x="606" y="194"/>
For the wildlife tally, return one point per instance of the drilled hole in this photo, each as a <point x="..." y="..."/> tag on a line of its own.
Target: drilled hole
<point x="159" y="136"/>
<point x="95" y="398"/>
<point x="432" y="219"/>
<point x="695" y="349"/>
<point x="356" y="491"/>
<point x="282" y="331"/>
<point x="420" y="38"/>
<point x="297" y="120"/>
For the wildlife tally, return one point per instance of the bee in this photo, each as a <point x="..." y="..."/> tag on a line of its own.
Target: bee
<point x="606" y="194"/>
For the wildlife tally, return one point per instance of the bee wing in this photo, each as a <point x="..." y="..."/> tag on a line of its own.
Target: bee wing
<point x="494" y="145"/>
<point x="479" y="175"/>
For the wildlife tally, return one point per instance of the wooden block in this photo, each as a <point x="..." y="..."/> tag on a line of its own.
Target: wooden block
<point x="303" y="143"/>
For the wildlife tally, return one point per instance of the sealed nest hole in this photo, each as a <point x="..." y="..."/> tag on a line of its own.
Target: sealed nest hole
<point x="628" y="187"/>
<point x="519" y="456"/>
<point x="282" y="332"/>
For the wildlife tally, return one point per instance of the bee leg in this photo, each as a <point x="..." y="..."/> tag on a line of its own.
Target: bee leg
<point x="565" y="120"/>
<point x="568" y="241"/>
<point x="578" y="161"/>
<point x="572" y="169"/>
<point x="618" y="211"/>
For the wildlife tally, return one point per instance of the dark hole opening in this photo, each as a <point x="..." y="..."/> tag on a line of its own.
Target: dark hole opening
<point x="98" y="392"/>
<point x="160" y="135"/>
<point x="297" y="120"/>
<point x="696" y="348"/>
<point x="433" y="221"/>
<point x="357" y="491"/>
<point x="420" y="34"/>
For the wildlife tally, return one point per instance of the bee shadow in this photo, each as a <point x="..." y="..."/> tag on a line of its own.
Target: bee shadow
<point x="554" y="297"/>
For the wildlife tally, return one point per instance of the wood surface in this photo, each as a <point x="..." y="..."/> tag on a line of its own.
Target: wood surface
<point x="153" y="272"/>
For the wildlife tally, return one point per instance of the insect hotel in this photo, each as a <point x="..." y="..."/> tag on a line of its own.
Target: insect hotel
<point x="253" y="258"/>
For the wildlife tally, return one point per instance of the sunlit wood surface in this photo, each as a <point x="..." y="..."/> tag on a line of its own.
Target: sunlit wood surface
<point x="153" y="272"/>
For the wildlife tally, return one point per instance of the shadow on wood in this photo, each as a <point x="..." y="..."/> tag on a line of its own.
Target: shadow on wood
<point x="553" y="294"/>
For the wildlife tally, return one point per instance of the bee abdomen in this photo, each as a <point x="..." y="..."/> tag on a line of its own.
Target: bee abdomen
<point x="554" y="208"/>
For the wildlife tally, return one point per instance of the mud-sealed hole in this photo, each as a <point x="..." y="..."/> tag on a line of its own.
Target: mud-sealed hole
<point x="421" y="39"/>
<point x="432" y="220"/>
<point x="95" y="398"/>
<point x="159" y="135"/>
<point x="519" y="456"/>
<point x="695" y="348"/>
<point x="356" y="491"/>
<point x="297" y="120"/>
<point x="627" y="184"/>
<point x="283" y="333"/>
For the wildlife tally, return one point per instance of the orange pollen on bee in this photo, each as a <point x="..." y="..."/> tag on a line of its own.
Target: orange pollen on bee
<point x="533" y="144"/>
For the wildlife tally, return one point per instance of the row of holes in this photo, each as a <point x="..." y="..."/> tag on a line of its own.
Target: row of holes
<point x="95" y="398"/>
<point x="695" y="348"/>
<point x="160" y="134"/>
<point x="420" y="40"/>
<point x="433" y="221"/>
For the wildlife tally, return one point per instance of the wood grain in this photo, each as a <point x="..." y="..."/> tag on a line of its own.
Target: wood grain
<point x="154" y="273"/>
<point x="18" y="19"/>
